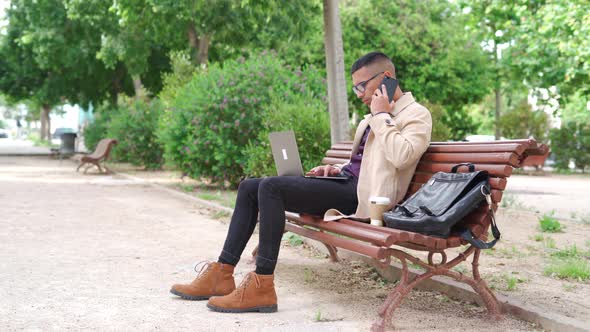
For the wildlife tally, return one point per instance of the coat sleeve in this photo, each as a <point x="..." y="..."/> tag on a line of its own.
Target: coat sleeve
<point x="404" y="146"/>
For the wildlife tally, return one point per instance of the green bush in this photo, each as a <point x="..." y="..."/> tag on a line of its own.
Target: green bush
<point x="440" y="131"/>
<point x="571" y="142"/>
<point x="549" y="224"/>
<point x="307" y="117"/>
<point x="134" y="125"/>
<point x="520" y="121"/>
<point x="212" y="119"/>
<point x="97" y="129"/>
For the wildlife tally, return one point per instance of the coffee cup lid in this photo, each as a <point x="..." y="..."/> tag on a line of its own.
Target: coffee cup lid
<point x="379" y="200"/>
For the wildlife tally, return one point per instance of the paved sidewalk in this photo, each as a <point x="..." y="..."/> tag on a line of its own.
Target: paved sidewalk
<point x="11" y="147"/>
<point x="100" y="253"/>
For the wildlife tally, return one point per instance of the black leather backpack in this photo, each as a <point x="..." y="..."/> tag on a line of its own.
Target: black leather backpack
<point x="443" y="202"/>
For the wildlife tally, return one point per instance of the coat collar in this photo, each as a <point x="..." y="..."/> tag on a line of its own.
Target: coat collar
<point x="402" y="103"/>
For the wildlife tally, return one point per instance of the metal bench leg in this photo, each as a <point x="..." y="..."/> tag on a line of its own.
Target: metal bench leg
<point x="480" y="286"/>
<point x="81" y="164"/>
<point x="333" y="252"/>
<point x="87" y="168"/>
<point x="395" y="298"/>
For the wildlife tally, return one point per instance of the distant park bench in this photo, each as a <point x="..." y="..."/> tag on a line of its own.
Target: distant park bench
<point x="499" y="158"/>
<point x="100" y="155"/>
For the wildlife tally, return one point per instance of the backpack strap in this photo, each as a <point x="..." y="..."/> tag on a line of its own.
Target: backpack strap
<point x="468" y="236"/>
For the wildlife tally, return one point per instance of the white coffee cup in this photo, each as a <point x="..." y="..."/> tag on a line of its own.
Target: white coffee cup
<point x="378" y="205"/>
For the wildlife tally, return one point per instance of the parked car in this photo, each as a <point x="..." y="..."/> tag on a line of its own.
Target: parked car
<point x="3" y="133"/>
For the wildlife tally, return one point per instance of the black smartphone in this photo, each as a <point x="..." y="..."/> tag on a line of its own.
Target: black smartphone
<point x="390" y="85"/>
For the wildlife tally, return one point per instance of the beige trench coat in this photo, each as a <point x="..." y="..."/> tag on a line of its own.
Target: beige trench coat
<point x="394" y="146"/>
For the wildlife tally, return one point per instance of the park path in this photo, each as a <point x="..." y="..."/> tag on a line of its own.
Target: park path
<point x="95" y="252"/>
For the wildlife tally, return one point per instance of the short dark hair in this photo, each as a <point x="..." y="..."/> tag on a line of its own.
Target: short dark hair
<point x="368" y="59"/>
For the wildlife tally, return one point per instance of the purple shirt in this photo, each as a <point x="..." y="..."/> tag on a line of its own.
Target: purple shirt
<point x="354" y="166"/>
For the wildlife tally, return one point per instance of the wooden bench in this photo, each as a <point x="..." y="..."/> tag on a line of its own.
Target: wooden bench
<point x="100" y="155"/>
<point x="499" y="158"/>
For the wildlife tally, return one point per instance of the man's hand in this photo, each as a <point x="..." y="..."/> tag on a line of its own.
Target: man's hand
<point x="327" y="170"/>
<point x="380" y="102"/>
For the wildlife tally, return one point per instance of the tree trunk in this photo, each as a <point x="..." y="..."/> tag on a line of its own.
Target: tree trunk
<point x="337" y="92"/>
<point x="137" y="86"/>
<point x="204" y="49"/>
<point x="498" y="134"/>
<point x="193" y="42"/>
<point x="497" y="91"/>
<point x="45" y="133"/>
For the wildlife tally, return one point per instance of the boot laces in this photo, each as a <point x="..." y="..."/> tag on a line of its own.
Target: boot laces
<point x="204" y="268"/>
<point x="242" y="288"/>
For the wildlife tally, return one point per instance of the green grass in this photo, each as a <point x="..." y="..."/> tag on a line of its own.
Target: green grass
<point x="510" y="201"/>
<point x="187" y="188"/>
<point x="294" y="240"/>
<point x="569" y="263"/>
<point x="318" y="316"/>
<point x="574" y="268"/>
<point x="208" y="196"/>
<point x="569" y="287"/>
<point x="220" y="215"/>
<point x="461" y="269"/>
<point x="549" y="242"/>
<point x="509" y="252"/>
<point x="571" y="252"/>
<point x="507" y="282"/>
<point x="538" y="237"/>
<point x="567" y="252"/>
<point x="225" y="197"/>
<point x="308" y="276"/>
<point x="549" y="224"/>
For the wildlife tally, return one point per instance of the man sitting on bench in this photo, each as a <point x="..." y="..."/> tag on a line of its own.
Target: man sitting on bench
<point x="389" y="142"/>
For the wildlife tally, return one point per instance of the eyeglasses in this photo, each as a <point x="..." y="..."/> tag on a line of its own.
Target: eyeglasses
<point x="360" y="88"/>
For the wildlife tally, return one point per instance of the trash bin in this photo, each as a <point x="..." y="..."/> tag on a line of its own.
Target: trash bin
<point x="68" y="143"/>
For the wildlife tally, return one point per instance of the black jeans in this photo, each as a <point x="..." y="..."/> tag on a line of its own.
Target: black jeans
<point x="271" y="197"/>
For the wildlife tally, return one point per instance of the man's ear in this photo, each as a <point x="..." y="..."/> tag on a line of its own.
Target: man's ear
<point x="388" y="74"/>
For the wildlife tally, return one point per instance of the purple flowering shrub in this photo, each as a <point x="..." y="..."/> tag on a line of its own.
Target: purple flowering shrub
<point x="307" y="116"/>
<point x="220" y="111"/>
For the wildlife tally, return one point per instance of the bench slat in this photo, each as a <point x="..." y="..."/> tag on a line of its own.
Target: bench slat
<point x="405" y="236"/>
<point x="528" y="142"/>
<point x="495" y="170"/>
<point x="496" y="194"/>
<point x="342" y="146"/>
<point x="480" y="158"/>
<point x="332" y="161"/>
<point x="496" y="183"/>
<point x="352" y="245"/>
<point x="344" y="154"/>
<point x="517" y="148"/>
<point x="368" y="235"/>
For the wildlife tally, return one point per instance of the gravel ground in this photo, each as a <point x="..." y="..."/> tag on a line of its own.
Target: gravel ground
<point x="89" y="252"/>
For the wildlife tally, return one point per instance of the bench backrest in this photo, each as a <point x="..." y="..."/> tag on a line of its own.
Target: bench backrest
<point x="103" y="148"/>
<point x="499" y="158"/>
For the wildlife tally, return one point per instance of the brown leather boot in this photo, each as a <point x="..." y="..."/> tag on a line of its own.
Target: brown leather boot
<point x="255" y="293"/>
<point x="217" y="279"/>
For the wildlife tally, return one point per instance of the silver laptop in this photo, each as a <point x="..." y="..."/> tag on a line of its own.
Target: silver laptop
<point x="286" y="156"/>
